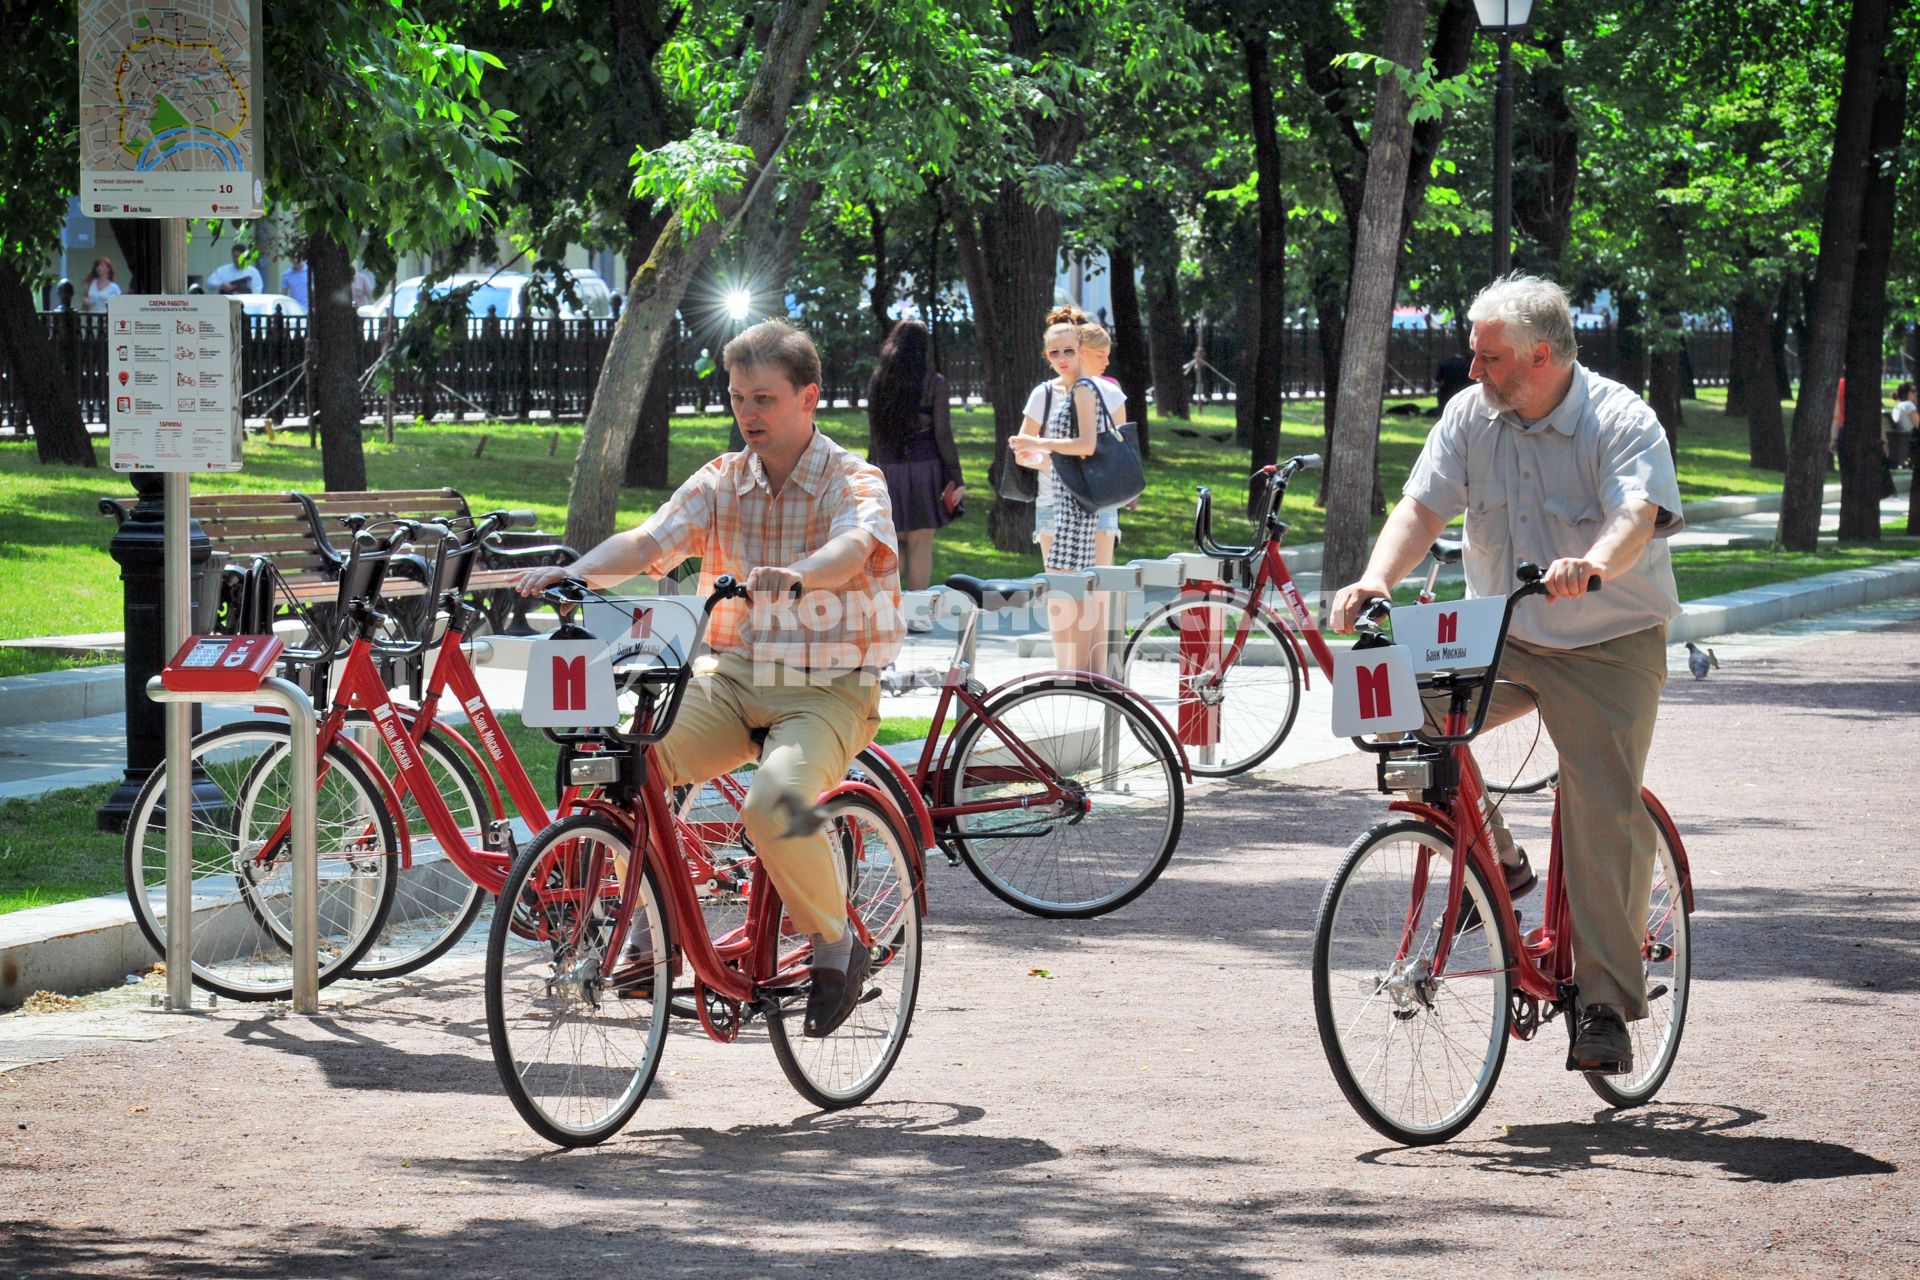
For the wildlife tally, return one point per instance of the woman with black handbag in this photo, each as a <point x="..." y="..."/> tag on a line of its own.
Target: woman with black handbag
<point x="1071" y="430"/>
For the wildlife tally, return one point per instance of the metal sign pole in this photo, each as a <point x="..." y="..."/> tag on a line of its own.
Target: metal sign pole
<point x="179" y="605"/>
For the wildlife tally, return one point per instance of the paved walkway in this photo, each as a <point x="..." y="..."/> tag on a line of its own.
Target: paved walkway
<point x="1135" y="1096"/>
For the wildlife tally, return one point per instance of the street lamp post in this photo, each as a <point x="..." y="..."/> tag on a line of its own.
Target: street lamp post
<point x="1503" y="20"/>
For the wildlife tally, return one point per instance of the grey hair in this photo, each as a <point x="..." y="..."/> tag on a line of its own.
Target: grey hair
<point x="1534" y="309"/>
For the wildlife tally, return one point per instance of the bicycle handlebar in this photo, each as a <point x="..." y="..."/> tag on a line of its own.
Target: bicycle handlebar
<point x="1532" y="583"/>
<point x="1272" y="494"/>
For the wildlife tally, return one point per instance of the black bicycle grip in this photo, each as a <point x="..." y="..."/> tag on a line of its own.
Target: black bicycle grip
<point x="518" y="519"/>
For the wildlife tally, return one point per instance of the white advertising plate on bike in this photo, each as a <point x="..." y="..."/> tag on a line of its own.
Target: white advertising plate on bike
<point x="1375" y="692"/>
<point x="1459" y="635"/>
<point x="659" y="629"/>
<point x="570" y="685"/>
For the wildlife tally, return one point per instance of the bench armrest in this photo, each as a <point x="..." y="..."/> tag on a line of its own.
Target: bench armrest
<point x="118" y="508"/>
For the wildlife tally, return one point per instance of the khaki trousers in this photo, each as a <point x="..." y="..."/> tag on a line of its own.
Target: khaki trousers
<point x="816" y="725"/>
<point x="1598" y="704"/>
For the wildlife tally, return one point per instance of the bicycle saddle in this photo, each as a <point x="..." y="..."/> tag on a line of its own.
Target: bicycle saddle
<point x="995" y="593"/>
<point x="1446" y="550"/>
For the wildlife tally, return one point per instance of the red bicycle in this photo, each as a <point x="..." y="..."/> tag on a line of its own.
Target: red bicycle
<point x="1227" y="661"/>
<point x="1421" y="971"/>
<point x="606" y="925"/>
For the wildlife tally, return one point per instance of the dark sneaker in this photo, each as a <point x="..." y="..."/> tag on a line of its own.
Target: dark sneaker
<point x="835" y="994"/>
<point x="1520" y="877"/>
<point x="1601" y="1044"/>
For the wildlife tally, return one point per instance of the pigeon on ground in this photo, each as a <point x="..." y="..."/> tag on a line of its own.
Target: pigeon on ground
<point x="1699" y="660"/>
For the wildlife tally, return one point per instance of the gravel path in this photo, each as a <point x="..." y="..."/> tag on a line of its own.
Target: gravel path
<point x="1159" y="1105"/>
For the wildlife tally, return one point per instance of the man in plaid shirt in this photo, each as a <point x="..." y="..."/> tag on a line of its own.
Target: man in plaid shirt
<point x="808" y="527"/>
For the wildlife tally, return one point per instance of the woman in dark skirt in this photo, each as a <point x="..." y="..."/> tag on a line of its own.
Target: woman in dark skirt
<point x="910" y="438"/>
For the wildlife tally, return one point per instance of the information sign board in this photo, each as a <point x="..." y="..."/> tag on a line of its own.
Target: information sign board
<point x="173" y="383"/>
<point x="170" y="109"/>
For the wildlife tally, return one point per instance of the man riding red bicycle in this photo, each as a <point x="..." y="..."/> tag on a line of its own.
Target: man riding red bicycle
<point x="1552" y="463"/>
<point x="792" y="680"/>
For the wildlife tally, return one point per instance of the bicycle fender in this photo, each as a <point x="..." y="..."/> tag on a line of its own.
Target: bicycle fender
<point x="1672" y="833"/>
<point x="916" y="858"/>
<point x="1439" y="817"/>
<point x="920" y="821"/>
<point x="388" y="796"/>
<point x="1094" y="678"/>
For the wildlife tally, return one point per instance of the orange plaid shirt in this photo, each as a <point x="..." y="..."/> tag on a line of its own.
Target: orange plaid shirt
<point x="726" y="514"/>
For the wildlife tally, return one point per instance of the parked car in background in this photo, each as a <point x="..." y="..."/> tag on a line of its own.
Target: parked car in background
<point x="268" y="304"/>
<point x="508" y="295"/>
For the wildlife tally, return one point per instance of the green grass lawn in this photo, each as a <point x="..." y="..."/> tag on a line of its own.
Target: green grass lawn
<point x="19" y="662"/>
<point x="56" y="578"/>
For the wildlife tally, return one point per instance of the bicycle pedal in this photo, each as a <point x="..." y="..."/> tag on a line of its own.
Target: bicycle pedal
<point x="500" y="838"/>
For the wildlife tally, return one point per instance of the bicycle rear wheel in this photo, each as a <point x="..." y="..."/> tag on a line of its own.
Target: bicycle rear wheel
<point x="1255" y="700"/>
<point x="576" y="1052"/>
<point x="844" y="1069"/>
<point x="434" y="903"/>
<point x="1416" y="1052"/>
<point x="1117" y="799"/>
<point x="1668" y="954"/>
<point x="243" y="904"/>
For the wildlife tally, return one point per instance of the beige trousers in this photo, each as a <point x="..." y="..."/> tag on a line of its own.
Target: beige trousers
<point x="1598" y="704"/>
<point x="815" y="725"/>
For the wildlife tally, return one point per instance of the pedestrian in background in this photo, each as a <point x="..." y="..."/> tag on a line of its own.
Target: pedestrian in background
<point x="1903" y="418"/>
<point x="1096" y="350"/>
<point x="1071" y="409"/>
<point x="910" y="438"/>
<point x="293" y="281"/>
<point x="100" y="286"/>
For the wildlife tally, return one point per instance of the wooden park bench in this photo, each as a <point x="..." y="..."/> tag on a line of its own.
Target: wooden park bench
<point x="301" y="534"/>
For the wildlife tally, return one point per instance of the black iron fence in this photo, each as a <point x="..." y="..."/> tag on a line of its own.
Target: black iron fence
<point x="518" y="369"/>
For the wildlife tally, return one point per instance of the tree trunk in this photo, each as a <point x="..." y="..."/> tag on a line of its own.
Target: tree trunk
<point x="880" y="295"/>
<point x="1130" y="346"/>
<point x="1008" y="252"/>
<point x="1630" y="345"/>
<point x="333" y="363"/>
<point x="1246" y="354"/>
<point x="1800" y="500"/>
<point x="1331" y="333"/>
<point x="1864" y="457"/>
<point x="654" y="292"/>
<point x="1753" y="363"/>
<point x="648" y="466"/>
<point x="1270" y="261"/>
<point x="1376" y="268"/>
<point x="1664" y="386"/>
<point x="1740" y="329"/>
<point x="58" y="433"/>
<point x="139" y="241"/>
<point x="1167" y="341"/>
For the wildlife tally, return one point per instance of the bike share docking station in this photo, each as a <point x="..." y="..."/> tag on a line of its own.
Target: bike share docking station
<point x="238" y="671"/>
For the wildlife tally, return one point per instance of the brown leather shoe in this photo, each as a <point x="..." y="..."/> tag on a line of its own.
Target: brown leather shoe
<point x="835" y="994"/>
<point x="1601" y="1045"/>
<point x="1520" y="877"/>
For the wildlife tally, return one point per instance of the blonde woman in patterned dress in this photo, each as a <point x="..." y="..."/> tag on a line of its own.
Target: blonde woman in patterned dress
<point x="1071" y="428"/>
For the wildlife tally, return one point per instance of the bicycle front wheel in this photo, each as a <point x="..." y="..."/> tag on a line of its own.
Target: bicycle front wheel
<point x="577" y="1051"/>
<point x="1667" y="952"/>
<point x="242" y="935"/>
<point x="1251" y="703"/>
<point x="1416" y="1050"/>
<point x="1068" y="799"/>
<point x="1517" y="758"/>
<point x="844" y="1069"/>
<point x="434" y="903"/>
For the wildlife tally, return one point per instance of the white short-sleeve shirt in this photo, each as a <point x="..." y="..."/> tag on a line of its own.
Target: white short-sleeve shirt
<point x="1543" y="491"/>
<point x="1110" y="391"/>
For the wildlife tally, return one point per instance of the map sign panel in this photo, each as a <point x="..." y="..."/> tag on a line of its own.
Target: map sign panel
<point x="173" y="383"/>
<point x="169" y="108"/>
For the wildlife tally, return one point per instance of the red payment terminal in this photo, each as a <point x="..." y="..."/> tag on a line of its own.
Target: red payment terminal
<point x="222" y="664"/>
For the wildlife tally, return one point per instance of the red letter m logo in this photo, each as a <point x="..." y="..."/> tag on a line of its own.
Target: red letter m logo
<point x="569" y="684"/>
<point x="1449" y="629"/>
<point x="1376" y="699"/>
<point x="642" y="628"/>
